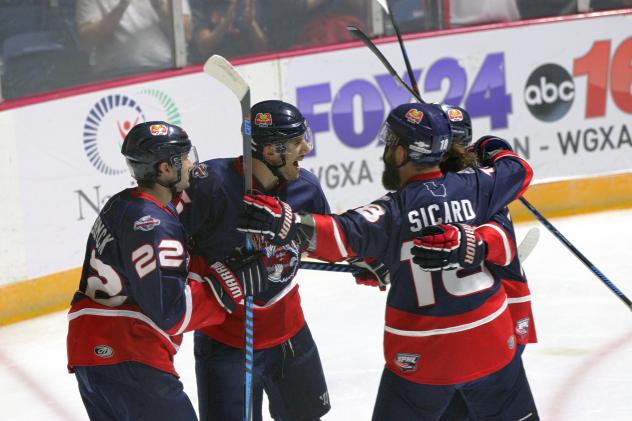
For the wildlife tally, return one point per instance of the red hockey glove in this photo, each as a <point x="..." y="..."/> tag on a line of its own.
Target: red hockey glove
<point x="270" y="217"/>
<point x="241" y="274"/>
<point x="448" y="247"/>
<point x="372" y="273"/>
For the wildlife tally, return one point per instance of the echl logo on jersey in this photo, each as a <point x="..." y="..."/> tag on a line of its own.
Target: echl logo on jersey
<point x="522" y="327"/>
<point x="146" y="223"/>
<point x="406" y="362"/>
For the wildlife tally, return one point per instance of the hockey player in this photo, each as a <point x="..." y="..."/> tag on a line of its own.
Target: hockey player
<point x="445" y="330"/>
<point x="287" y="365"/>
<point x="136" y="296"/>
<point x="512" y="275"/>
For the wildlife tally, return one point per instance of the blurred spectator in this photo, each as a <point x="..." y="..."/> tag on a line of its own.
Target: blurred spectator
<point x="227" y="27"/>
<point x="286" y="20"/>
<point x="610" y="4"/>
<point x="330" y="24"/>
<point x="128" y="36"/>
<point x="530" y="9"/>
<point x="468" y="12"/>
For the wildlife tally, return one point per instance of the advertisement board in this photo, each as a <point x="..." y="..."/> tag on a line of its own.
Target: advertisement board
<point x="559" y="91"/>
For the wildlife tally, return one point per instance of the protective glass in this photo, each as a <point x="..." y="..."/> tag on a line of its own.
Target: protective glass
<point x="387" y="135"/>
<point x="191" y="156"/>
<point x="293" y="145"/>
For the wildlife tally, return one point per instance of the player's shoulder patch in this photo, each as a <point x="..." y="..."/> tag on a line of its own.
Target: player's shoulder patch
<point x="201" y="171"/>
<point x="146" y="223"/>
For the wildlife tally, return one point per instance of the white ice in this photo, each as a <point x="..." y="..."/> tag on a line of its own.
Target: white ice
<point x="580" y="370"/>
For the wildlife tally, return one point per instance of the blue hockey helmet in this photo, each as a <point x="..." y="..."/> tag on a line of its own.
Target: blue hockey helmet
<point x="422" y="128"/>
<point x="274" y="122"/>
<point x="152" y="142"/>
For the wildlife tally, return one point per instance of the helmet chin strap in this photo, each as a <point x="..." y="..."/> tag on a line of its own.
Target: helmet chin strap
<point x="172" y="186"/>
<point x="275" y="168"/>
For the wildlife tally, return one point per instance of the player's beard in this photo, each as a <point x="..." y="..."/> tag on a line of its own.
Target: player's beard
<point x="390" y="175"/>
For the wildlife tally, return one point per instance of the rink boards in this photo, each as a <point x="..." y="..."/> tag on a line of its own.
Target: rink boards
<point x="559" y="90"/>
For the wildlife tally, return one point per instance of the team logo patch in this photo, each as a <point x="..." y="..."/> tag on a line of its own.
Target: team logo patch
<point x="455" y="115"/>
<point x="522" y="327"/>
<point x="406" y="362"/>
<point x="437" y="190"/>
<point x="414" y="116"/>
<point x="263" y="119"/>
<point x="201" y="171"/>
<point x="146" y="223"/>
<point x="282" y="263"/>
<point x="158" y="130"/>
<point x="103" y="351"/>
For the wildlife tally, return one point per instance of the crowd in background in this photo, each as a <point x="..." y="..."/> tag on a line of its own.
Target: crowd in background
<point x="52" y="44"/>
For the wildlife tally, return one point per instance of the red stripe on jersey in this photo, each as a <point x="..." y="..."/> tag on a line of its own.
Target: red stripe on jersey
<point x="116" y="335"/>
<point x="451" y="349"/>
<point x="521" y="310"/>
<point x="273" y="325"/>
<point x="501" y="248"/>
<point x="331" y="243"/>
<point x="528" y="170"/>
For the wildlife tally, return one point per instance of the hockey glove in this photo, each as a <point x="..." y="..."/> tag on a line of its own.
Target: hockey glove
<point x="240" y="274"/>
<point x="270" y="217"/>
<point x="488" y="146"/>
<point x="448" y="247"/>
<point x="371" y="273"/>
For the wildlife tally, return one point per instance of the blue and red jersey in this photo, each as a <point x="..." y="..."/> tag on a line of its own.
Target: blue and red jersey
<point x="136" y="294"/>
<point x="209" y="210"/>
<point x="445" y="327"/>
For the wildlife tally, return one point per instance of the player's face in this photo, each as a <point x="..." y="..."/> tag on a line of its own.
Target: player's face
<point x="189" y="162"/>
<point x="295" y="151"/>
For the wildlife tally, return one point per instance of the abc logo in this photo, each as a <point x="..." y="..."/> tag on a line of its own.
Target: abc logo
<point x="549" y="92"/>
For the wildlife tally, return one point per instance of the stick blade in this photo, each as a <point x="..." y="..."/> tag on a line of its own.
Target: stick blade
<point x="224" y="72"/>
<point x="384" y="5"/>
<point x="528" y="243"/>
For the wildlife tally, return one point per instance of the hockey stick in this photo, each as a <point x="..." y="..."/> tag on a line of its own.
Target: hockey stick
<point x="220" y="69"/>
<point x="386" y="5"/>
<point x="528" y="243"/>
<point x="577" y="253"/>
<point x="357" y="32"/>
<point x="525" y="248"/>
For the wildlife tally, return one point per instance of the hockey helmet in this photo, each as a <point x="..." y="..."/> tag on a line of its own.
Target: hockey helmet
<point x="460" y="124"/>
<point x="422" y="128"/>
<point x="149" y="143"/>
<point x="274" y="122"/>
